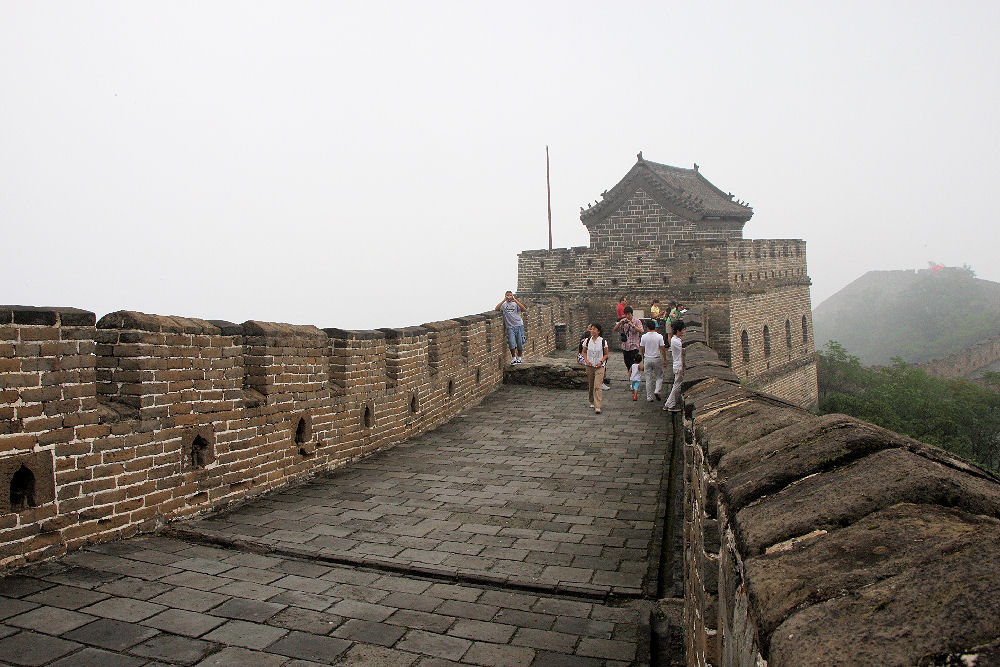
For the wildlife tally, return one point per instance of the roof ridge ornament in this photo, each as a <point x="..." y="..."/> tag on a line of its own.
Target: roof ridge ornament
<point x="696" y="166"/>
<point x="640" y="156"/>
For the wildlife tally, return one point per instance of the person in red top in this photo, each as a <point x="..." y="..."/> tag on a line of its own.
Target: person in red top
<point x="620" y="309"/>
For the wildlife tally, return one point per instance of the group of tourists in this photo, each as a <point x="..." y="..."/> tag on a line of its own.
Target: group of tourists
<point x="643" y="349"/>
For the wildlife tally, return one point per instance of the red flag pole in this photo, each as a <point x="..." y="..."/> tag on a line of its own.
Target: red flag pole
<point x="548" y="192"/>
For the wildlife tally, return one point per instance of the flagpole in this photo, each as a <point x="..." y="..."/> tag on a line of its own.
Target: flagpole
<point x="548" y="192"/>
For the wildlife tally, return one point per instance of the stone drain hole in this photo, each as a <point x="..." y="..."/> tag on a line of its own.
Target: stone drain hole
<point x="367" y="418"/>
<point x="199" y="452"/>
<point x="22" y="489"/>
<point x="414" y="404"/>
<point x="451" y="388"/>
<point x="300" y="432"/>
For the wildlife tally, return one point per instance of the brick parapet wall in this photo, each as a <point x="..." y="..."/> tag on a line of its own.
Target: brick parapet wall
<point x="790" y="558"/>
<point x="688" y="268"/>
<point x="966" y="362"/>
<point x="141" y="419"/>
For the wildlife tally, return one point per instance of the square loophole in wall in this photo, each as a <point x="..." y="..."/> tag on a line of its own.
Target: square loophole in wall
<point x="197" y="448"/>
<point x="28" y="481"/>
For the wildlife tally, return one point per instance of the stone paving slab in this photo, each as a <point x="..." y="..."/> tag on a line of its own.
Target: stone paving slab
<point x="529" y="489"/>
<point x="70" y="612"/>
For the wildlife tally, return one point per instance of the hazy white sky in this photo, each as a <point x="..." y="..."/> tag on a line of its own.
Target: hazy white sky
<point x="365" y="164"/>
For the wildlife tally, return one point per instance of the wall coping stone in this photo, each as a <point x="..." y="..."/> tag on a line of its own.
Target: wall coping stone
<point x="470" y="319"/>
<point x="442" y="325"/>
<point x="279" y="329"/>
<point x="228" y="328"/>
<point x="357" y="334"/>
<point x="130" y="319"/>
<point x="395" y="333"/>
<point x="52" y="315"/>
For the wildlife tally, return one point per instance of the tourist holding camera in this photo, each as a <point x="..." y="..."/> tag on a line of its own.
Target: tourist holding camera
<point x="631" y="329"/>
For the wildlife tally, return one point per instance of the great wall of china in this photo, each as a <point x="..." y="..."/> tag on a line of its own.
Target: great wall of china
<point x="806" y="540"/>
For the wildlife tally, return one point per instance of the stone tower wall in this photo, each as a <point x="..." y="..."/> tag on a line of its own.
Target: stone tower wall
<point x="741" y="285"/>
<point x="642" y="221"/>
<point x="113" y="427"/>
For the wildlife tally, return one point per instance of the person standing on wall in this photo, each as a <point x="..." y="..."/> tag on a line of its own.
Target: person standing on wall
<point x="630" y="328"/>
<point x="654" y="360"/>
<point x="511" y="310"/>
<point x="671" y="315"/>
<point x="620" y="308"/>
<point x="595" y="356"/>
<point x="673" y="403"/>
<point x="656" y="313"/>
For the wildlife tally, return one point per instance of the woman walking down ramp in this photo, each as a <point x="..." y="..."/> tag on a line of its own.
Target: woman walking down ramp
<point x="673" y="403"/>
<point x="595" y="355"/>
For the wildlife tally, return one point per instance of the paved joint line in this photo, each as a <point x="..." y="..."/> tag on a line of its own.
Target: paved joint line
<point x="607" y="597"/>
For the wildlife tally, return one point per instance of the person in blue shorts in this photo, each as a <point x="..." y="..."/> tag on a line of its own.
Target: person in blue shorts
<point x="511" y="310"/>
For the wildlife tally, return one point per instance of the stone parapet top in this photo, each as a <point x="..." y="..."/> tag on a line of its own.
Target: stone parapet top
<point x="831" y="528"/>
<point x="256" y="328"/>
<point x="443" y="325"/>
<point x="129" y="319"/>
<point x="50" y="316"/>
<point x="470" y="319"/>
<point x="395" y="333"/>
<point x="357" y="334"/>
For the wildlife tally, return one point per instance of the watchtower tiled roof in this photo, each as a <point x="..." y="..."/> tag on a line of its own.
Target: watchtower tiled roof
<point x="683" y="191"/>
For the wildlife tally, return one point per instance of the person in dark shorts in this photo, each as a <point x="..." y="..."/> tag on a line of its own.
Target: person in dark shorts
<point x="631" y="328"/>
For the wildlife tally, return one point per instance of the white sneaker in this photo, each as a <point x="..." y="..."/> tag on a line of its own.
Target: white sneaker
<point x="591" y="405"/>
<point x="513" y="361"/>
<point x="605" y="386"/>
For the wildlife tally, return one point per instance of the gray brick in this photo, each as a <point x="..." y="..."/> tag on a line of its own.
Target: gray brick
<point x="438" y="646"/>
<point x="95" y="657"/>
<point x="67" y="597"/>
<point x="245" y="634"/>
<point x="234" y="656"/>
<point x="174" y="649"/>
<point x="183" y="622"/>
<point x="498" y="655"/>
<point x="31" y="648"/>
<point x="497" y="633"/>
<point x="310" y="647"/>
<point x="306" y="620"/>
<point x="111" y="634"/>
<point x="49" y="620"/>
<point x="362" y="610"/>
<point x="369" y="632"/>
<point x="247" y="610"/>
<point x="189" y="598"/>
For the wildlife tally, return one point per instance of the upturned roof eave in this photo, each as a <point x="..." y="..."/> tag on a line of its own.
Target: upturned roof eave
<point x="673" y="196"/>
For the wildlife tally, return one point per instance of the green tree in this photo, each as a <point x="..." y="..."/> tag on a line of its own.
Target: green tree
<point x="957" y="415"/>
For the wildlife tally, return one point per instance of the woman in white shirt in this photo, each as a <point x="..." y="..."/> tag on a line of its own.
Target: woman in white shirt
<point x="595" y="355"/>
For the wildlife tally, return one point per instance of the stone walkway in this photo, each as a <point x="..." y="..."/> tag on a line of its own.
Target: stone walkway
<point x="525" y="532"/>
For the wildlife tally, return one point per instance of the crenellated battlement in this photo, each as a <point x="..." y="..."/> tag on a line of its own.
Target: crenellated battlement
<point x="114" y="426"/>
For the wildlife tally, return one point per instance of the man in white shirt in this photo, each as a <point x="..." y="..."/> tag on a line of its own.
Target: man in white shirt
<point x="677" y="353"/>
<point x="653" y="360"/>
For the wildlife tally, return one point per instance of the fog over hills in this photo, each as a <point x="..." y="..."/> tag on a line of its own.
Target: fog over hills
<point x="915" y="315"/>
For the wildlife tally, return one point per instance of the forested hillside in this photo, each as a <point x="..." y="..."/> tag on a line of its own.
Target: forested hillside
<point x="914" y="315"/>
<point x="954" y="414"/>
